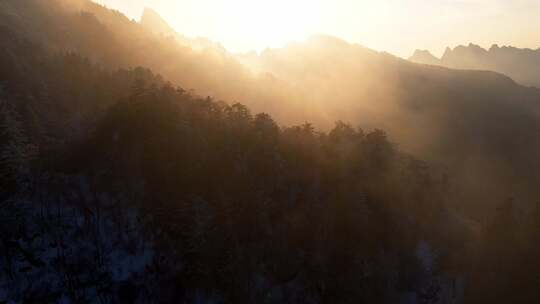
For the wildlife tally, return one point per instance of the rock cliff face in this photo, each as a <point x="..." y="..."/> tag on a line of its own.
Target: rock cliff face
<point x="523" y="65"/>
<point x="152" y="21"/>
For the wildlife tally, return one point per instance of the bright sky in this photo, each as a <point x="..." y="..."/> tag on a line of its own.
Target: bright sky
<point x="395" y="26"/>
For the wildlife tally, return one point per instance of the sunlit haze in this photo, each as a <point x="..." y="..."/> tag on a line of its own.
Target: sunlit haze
<point x="394" y="26"/>
<point x="277" y="151"/>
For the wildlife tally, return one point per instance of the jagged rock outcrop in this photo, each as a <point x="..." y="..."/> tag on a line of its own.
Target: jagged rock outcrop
<point x="424" y="57"/>
<point x="522" y="65"/>
<point x="152" y="21"/>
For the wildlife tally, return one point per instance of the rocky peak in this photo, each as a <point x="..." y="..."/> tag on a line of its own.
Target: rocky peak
<point x="152" y="21"/>
<point x="424" y="57"/>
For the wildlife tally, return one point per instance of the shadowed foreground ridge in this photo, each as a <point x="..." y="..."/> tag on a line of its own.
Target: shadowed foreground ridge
<point x="120" y="182"/>
<point x="169" y="197"/>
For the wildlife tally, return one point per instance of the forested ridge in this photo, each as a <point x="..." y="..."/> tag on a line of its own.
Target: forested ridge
<point x="480" y="126"/>
<point x="118" y="186"/>
<point x="221" y="198"/>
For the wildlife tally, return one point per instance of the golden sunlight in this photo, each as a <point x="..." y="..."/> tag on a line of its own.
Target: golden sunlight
<point x="270" y="151"/>
<point x="256" y="24"/>
<point x="398" y="27"/>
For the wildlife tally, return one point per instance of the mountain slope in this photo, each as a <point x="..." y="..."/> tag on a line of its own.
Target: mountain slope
<point x="119" y="187"/>
<point x="470" y="121"/>
<point x="482" y="126"/>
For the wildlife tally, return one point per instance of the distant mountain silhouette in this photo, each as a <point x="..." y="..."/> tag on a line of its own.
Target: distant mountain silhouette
<point x="424" y="57"/>
<point x="153" y="21"/>
<point x="522" y="65"/>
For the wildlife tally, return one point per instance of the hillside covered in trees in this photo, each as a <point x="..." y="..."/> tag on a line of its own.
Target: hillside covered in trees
<point x="151" y="194"/>
<point x="452" y="118"/>
<point x="123" y="181"/>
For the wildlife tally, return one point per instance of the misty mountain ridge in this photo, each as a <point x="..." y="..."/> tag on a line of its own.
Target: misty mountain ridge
<point x="141" y="166"/>
<point x="150" y="19"/>
<point x="522" y="65"/>
<point x="428" y="111"/>
<point x="424" y="57"/>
